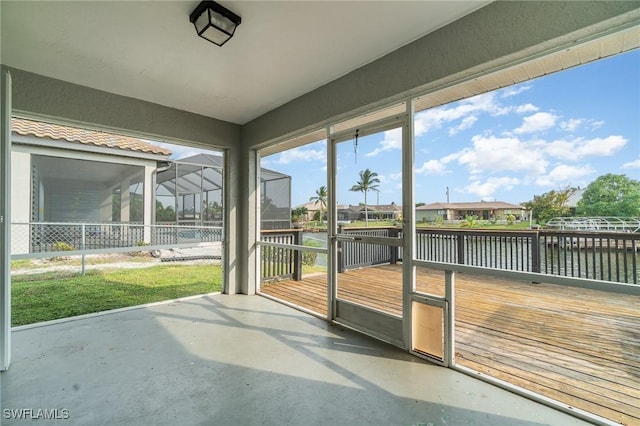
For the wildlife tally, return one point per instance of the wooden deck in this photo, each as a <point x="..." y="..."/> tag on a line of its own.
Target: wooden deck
<point x="581" y="347"/>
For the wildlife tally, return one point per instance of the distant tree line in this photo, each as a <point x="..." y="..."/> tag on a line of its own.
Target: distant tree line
<point x="610" y="195"/>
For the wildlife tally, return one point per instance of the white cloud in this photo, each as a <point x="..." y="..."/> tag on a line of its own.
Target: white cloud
<point x="521" y="109"/>
<point x="451" y="157"/>
<point x="435" y="118"/>
<point x="563" y="175"/>
<point x="537" y="122"/>
<point x="601" y="147"/>
<point x="514" y="90"/>
<point x="432" y="167"/>
<point x="300" y="154"/>
<point x="495" y="154"/>
<point x="579" y="148"/>
<point x="437" y="167"/>
<point x="392" y="140"/>
<point x="465" y="124"/>
<point x="632" y="164"/>
<point x="487" y="189"/>
<point x="571" y="125"/>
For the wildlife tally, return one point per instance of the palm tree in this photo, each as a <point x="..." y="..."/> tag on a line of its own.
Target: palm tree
<point x="320" y="198"/>
<point x="368" y="182"/>
<point x="299" y="214"/>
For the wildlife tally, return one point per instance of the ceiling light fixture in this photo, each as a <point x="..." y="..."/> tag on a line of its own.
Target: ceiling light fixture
<point x="214" y="22"/>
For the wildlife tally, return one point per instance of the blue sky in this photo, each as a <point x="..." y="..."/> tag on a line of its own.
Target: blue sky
<point x="561" y="130"/>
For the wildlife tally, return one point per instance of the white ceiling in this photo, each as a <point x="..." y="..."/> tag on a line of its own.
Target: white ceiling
<point x="149" y="50"/>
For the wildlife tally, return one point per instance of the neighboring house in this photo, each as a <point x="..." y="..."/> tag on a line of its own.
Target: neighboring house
<point x="376" y="212"/>
<point x="65" y="174"/>
<point x="574" y="198"/>
<point x="312" y="208"/>
<point x="458" y="211"/>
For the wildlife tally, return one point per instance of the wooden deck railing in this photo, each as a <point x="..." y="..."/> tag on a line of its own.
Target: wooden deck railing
<point x="607" y="256"/>
<point x="279" y="262"/>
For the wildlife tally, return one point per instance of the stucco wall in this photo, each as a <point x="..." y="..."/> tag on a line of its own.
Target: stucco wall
<point x="20" y="199"/>
<point x="43" y="97"/>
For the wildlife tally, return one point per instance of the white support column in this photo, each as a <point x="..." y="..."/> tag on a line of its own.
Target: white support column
<point x="249" y="284"/>
<point x="450" y="325"/>
<point x="238" y="253"/>
<point x="125" y="201"/>
<point x="106" y="205"/>
<point x="149" y="197"/>
<point x="125" y="208"/>
<point x="255" y="223"/>
<point x="332" y="219"/>
<point x="409" y="225"/>
<point x="20" y="200"/>
<point x="5" y="220"/>
<point x="230" y="250"/>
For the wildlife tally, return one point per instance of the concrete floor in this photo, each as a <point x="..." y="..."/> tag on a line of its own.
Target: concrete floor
<point x="240" y="360"/>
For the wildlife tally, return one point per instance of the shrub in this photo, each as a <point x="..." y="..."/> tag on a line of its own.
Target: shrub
<point x="141" y="253"/>
<point x="469" y="221"/>
<point x="309" y="258"/>
<point x="62" y="246"/>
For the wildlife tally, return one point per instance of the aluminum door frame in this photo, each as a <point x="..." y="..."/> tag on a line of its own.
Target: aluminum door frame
<point x="396" y="330"/>
<point x="5" y="221"/>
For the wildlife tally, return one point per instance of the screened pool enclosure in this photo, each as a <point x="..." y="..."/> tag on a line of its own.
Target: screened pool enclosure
<point x="189" y="192"/>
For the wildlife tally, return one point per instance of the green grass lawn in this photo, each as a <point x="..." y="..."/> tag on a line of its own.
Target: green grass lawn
<point x="311" y="269"/>
<point x="37" y="298"/>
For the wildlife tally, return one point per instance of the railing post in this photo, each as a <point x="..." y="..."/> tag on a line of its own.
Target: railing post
<point x="536" y="259"/>
<point x="535" y="252"/>
<point x="393" y="233"/>
<point x="339" y="248"/>
<point x="83" y="245"/>
<point x="297" y="255"/>
<point x="460" y="248"/>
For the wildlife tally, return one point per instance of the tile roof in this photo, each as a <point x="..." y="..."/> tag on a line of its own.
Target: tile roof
<point x="86" y="137"/>
<point x="372" y="208"/>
